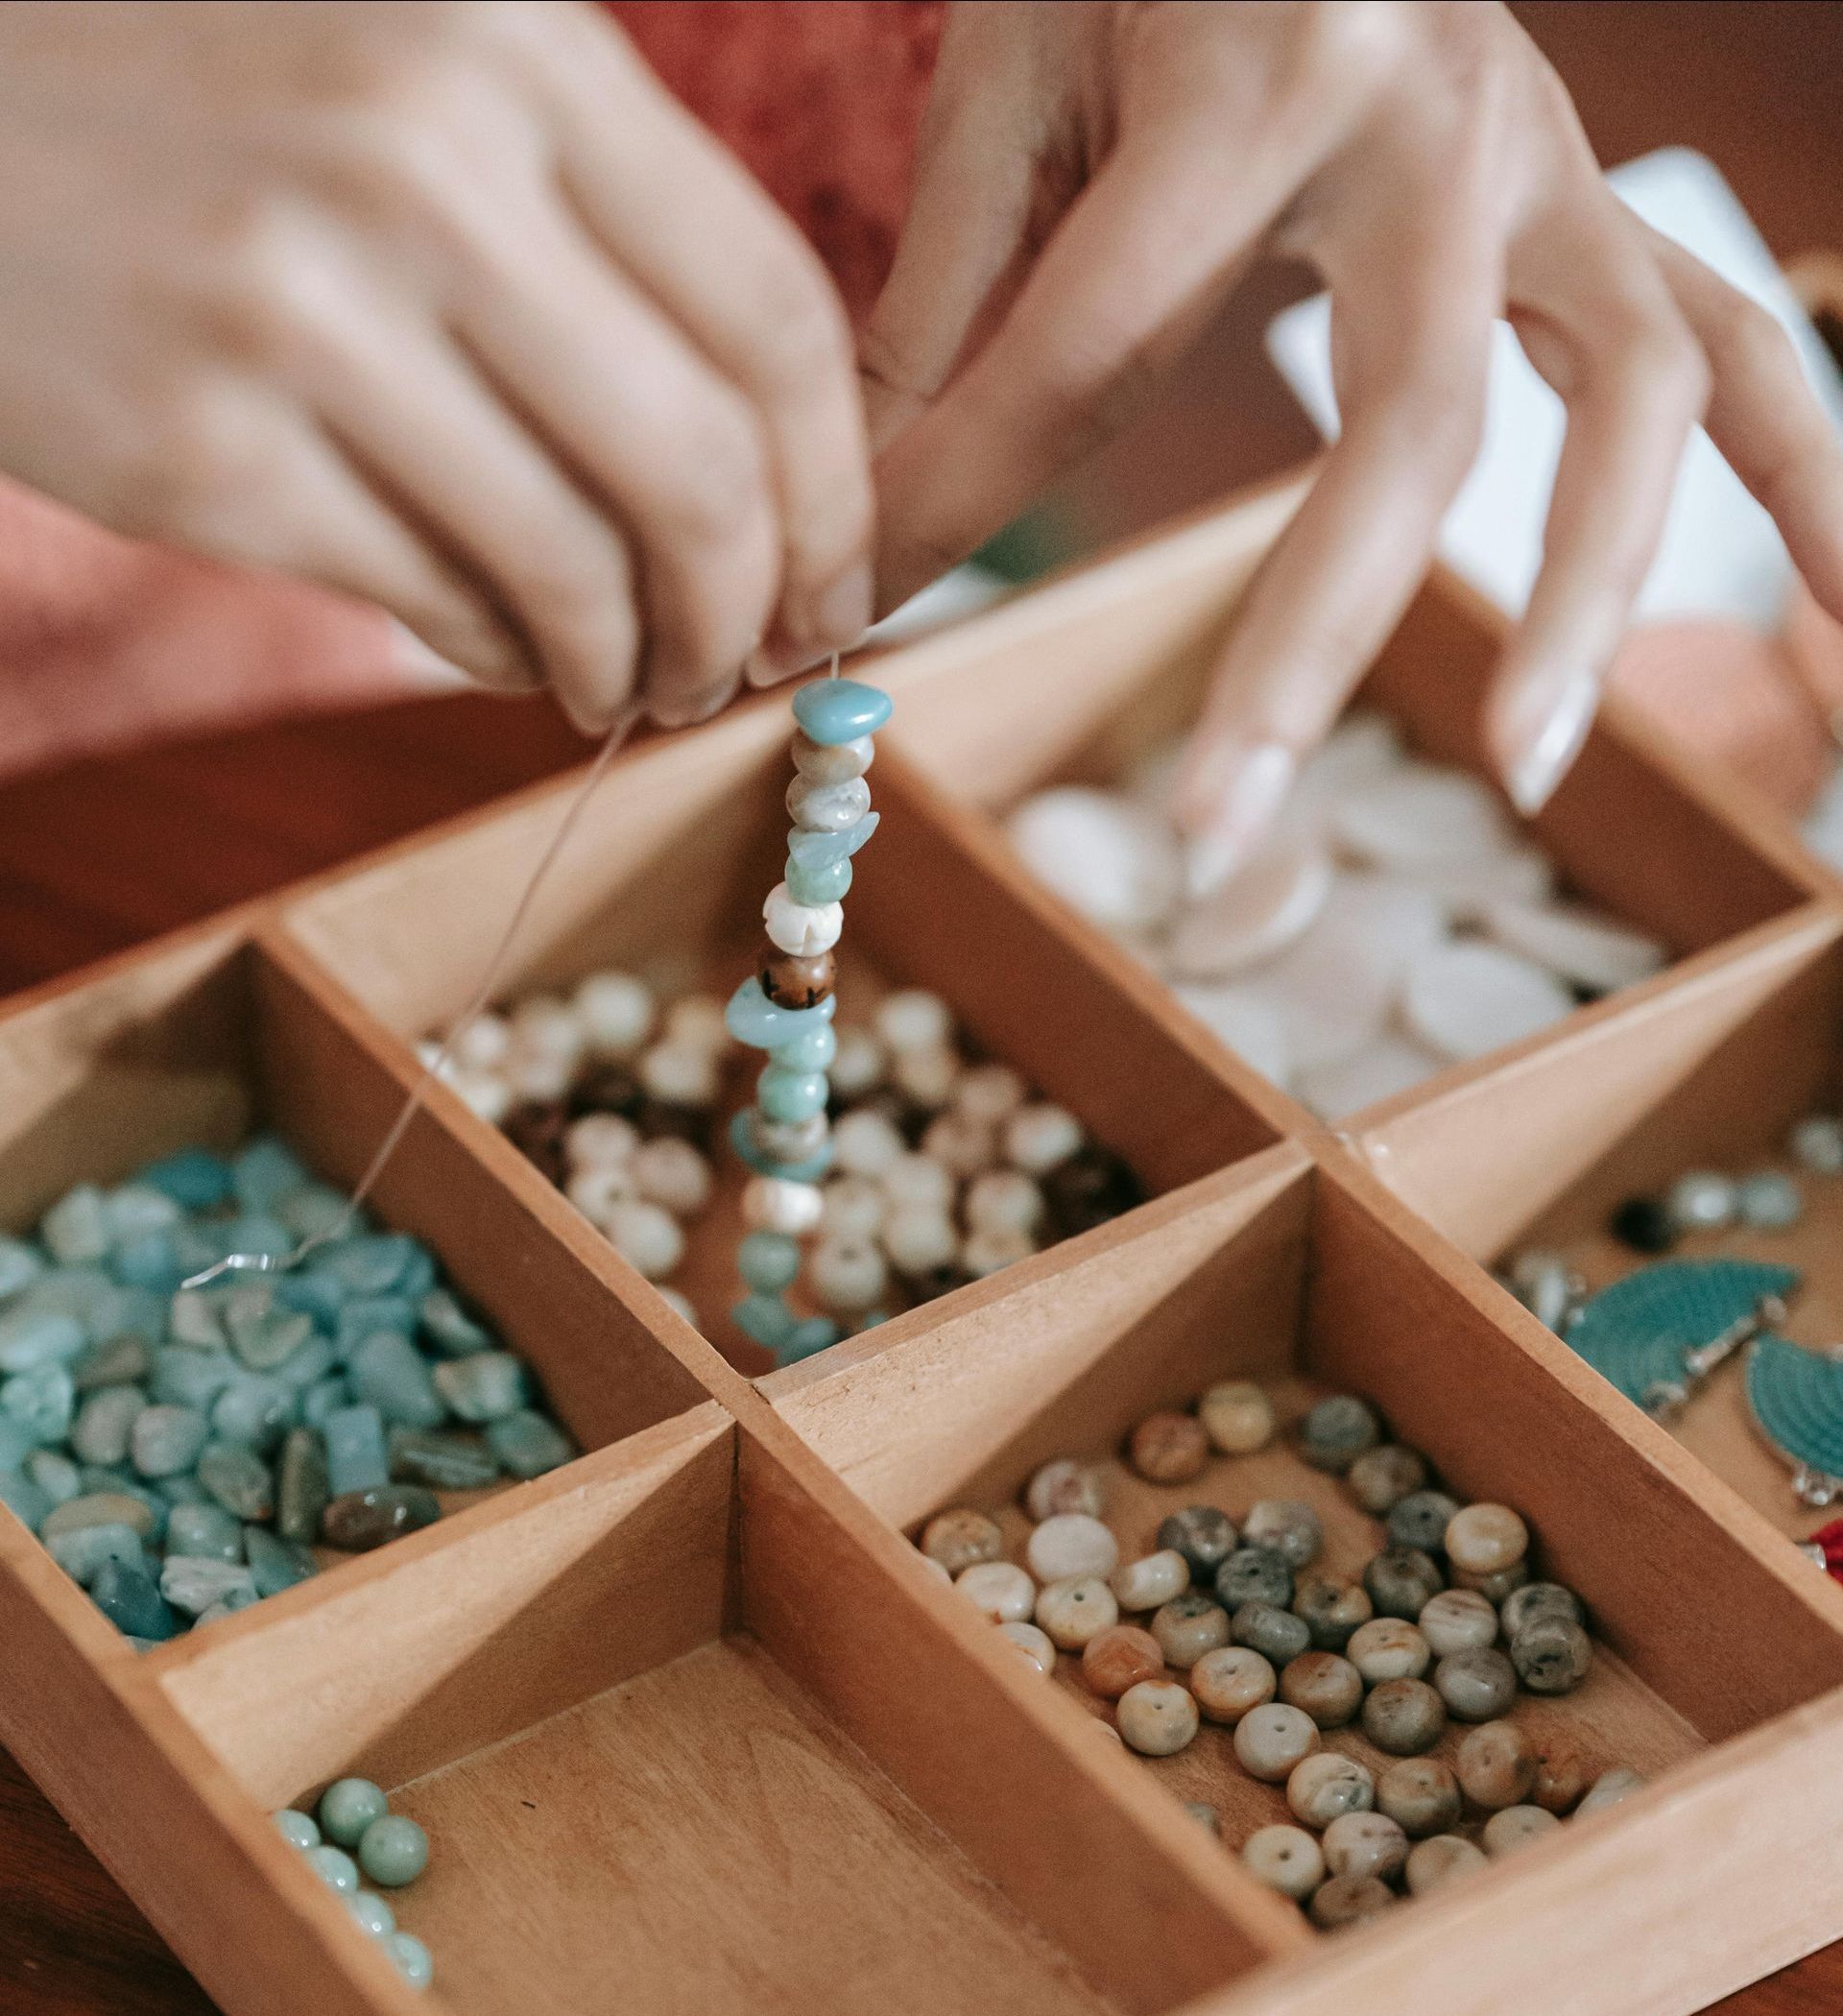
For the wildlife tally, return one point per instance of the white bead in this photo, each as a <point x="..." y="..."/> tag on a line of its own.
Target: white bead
<point x="867" y="1143"/>
<point x="1033" y="1645"/>
<point x="696" y="1020"/>
<point x="855" y="1208"/>
<point x="1071" y="1543"/>
<point x="544" y="1026"/>
<point x="648" y="1237"/>
<point x="1113" y="860"/>
<point x="962" y="1146"/>
<point x="680" y="1305"/>
<point x="1583" y="945"/>
<point x="672" y="1174"/>
<point x="617" y="1011"/>
<point x="805" y="929"/>
<point x="680" y="1075"/>
<point x="927" y="1076"/>
<point x="486" y="1092"/>
<point x="597" y="1188"/>
<point x="483" y="1043"/>
<point x="1003" y="1200"/>
<point x="1000" y="1589"/>
<point x="833" y="762"/>
<point x="989" y="1092"/>
<point x="919" y="1179"/>
<point x="429" y="1055"/>
<point x="826" y="808"/>
<point x="601" y="1141"/>
<point x="1422" y="814"/>
<point x="778" y="1203"/>
<point x="847" y="1275"/>
<point x="533" y="1075"/>
<point x="860" y="1064"/>
<point x="919" y="1239"/>
<point x="1042" y="1137"/>
<point x="913" y="1020"/>
<point x="1469" y="998"/>
<point x="986" y="1253"/>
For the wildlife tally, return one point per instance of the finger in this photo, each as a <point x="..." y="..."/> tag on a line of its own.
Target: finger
<point x="1597" y="322"/>
<point x="1765" y="416"/>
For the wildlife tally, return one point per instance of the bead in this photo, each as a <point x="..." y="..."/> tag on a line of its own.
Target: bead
<point x="813" y="1049"/>
<point x="919" y="1239"/>
<point x="1076" y="1609"/>
<point x="927" y="1076"/>
<point x="1476" y="1686"/>
<point x="100" y="1431"/>
<point x="769" y="1262"/>
<point x="1188" y="1626"/>
<point x="1458" y="1620"/>
<point x="1551" y="1655"/>
<point x="601" y="1141"/>
<point x="776" y="1204"/>
<point x="1033" y="1646"/>
<point x="347" y="1806"/>
<point x="1287" y="1525"/>
<point x="1816" y="1142"/>
<point x="765" y="1319"/>
<point x="987" y="1252"/>
<point x="1286" y="1860"/>
<point x="83" y="1554"/>
<point x="1325" y="1787"/>
<point x="165" y="1441"/>
<point x="849" y="1276"/>
<point x="1121" y="1657"/>
<point x="1406" y="1718"/>
<point x="387" y="1372"/>
<point x="1002" y="1201"/>
<point x="1495" y="1765"/>
<point x="1169" y="1447"/>
<point x="276" y="1565"/>
<point x="1327" y="1688"/>
<point x="1238" y="1417"/>
<point x="302" y="1485"/>
<point x="480" y="1387"/>
<point x="816" y="883"/>
<point x="1421" y="1796"/>
<point x="1434" y="1862"/>
<point x="393" y="1850"/>
<point x="837" y="710"/>
<point x="1271" y="1739"/>
<point x="1152" y="1581"/>
<point x="1362" y="1843"/>
<point x="99" y="1508"/>
<point x="335" y="1868"/>
<point x="857" y="1063"/>
<point x="868" y="1143"/>
<point x="206" y="1530"/>
<point x="827" y="808"/>
<point x="1486" y="1539"/>
<point x="794" y="981"/>
<point x="960" y="1538"/>
<point x="371" y="1915"/>
<point x="855" y="1208"/>
<point x="989" y="1094"/>
<point x="411" y="1957"/>
<point x="1609" y="1788"/>
<point x="1401" y="1581"/>
<point x="815" y="849"/>
<point x="1492" y="1587"/>
<point x="1645" y="1225"/>
<point x="1332" y="1609"/>
<point x="696" y="1020"/>
<point x="1768" y="1201"/>
<point x="1157" y="1717"/>
<point x="1516" y="1826"/>
<point x="1380" y="1478"/>
<point x="1702" y="1201"/>
<point x="1066" y="1485"/>
<point x="1071" y="1543"/>
<point x="1337" y="1432"/>
<point x="1204" y="1536"/>
<point x="1230" y="1680"/>
<point x="76" y="1227"/>
<point x="1254" y="1574"/>
<point x="1040" y="1138"/>
<point x="832" y="762"/>
<point x="917" y="1179"/>
<point x="1349" y="1900"/>
<point x="528" y="1443"/>
<point x="128" y="1597"/>
<point x="1421" y="1520"/>
<point x="1276" y="1634"/>
<point x="672" y="1174"/>
<point x="1561" y="1773"/>
<point x="296" y="1829"/>
<point x="999" y="1589"/>
<point x="913" y="1019"/>
<point x="361" y="1520"/>
<point x="801" y="930"/>
<point x="753" y="1019"/>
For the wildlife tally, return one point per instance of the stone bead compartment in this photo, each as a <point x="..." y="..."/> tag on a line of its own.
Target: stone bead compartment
<point x="371" y="1858"/>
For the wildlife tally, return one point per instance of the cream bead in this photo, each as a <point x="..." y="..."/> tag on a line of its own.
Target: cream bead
<point x="616" y="1012"/>
<point x="645" y="1236"/>
<point x="601" y="1141"/>
<point x="486" y="1092"/>
<point x="858" y="1064"/>
<point x="918" y="1180"/>
<point x="1238" y="1417"/>
<point x="1388" y="1649"/>
<point x="538" y="1075"/>
<point x="1286" y="1860"/>
<point x="1066" y="1484"/>
<point x="1033" y="1645"/>
<point x="959" y="1538"/>
<point x="1003" y="1200"/>
<point x="696" y="1020"/>
<point x="672" y="1174"/>
<point x="805" y="929"/>
<point x="1326" y="1786"/>
<point x="1365" y="1844"/>
<point x="680" y="1074"/>
<point x="1075" y="1609"/>
<point x="911" y="1019"/>
<point x="1609" y="1788"/>
<point x="989" y="1094"/>
<point x="927" y="1076"/>
<point x="1437" y="1860"/>
<point x="1458" y="1620"/>
<point x="1516" y="1827"/>
<point x="1040" y="1138"/>
<point x="986" y="1253"/>
<point x="867" y="1143"/>
<point x="1071" y="1543"/>
<point x="779" y="1204"/>
<point x="541" y="1024"/>
<point x="1484" y="1540"/>
<point x="849" y="1276"/>
<point x="1157" y="1717"/>
<point x="482" y="1044"/>
<point x="854" y="1207"/>
<point x="1001" y="1589"/>
<point x="1151" y="1581"/>
<point x="817" y="807"/>
<point x="1271" y="1739"/>
<point x="1230" y="1681"/>
<point x="595" y="1192"/>
<point x="963" y="1147"/>
<point x="919" y="1240"/>
<point x="832" y="762"/>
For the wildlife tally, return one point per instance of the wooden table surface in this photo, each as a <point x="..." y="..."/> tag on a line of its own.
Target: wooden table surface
<point x="104" y="855"/>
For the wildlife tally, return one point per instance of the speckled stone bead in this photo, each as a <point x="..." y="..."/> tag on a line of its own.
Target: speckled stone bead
<point x="1328" y="1688"/>
<point x="1380" y="1478"/>
<point x="1337" y="1432"/>
<point x="1151" y="1581"/>
<point x="347" y="1806"/>
<point x="165" y="1441"/>
<point x="1365" y="1843"/>
<point x="1495" y="1765"/>
<point x="1238" y="1417"/>
<point x="1421" y="1796"/>
<point x="1204" y="1536"/>
<point x="1121" y="1657"/>
<point x="1458" y="1620"/>
<point x="1493" y="1588"/>
<point x="1325" y="1787"/>
<point x="361" y="1520"/>
<point x="1486" y="1539"/>
<point x="1406" y="1718"/>
<point x="959" y="1538"/>
<point x="1609" y="1788"/>
<point x="1541" y="1600"/>
<point x="1231" y="1680"/>
<point x="1066" y="1485"/>
<point x="1157" y="1717"/>
<point x="1188" y="1626"/>
<point x="334" y="1867"/>
<point x="298" y="1830"/>
<point x="393" y="1850"/>
<point x="1401" y="1581"/>
<point x="836" y="808"/>
<point x="1254" y="1574"/>
<point x="1332" y="1608"/>
<point x="1076" y="1609"/>
<point x="1562" y="1772"/>
<point x="833" y="764"/>
<point x="1169" y="1447"/>
<point x="1286" y="1860"/>
<point x="1516" y="1826"/>
<point x="1476" y="1686"/>
<point x="1032" y="1643"/>
<point x="1551" y="1655"/>
<point x="1071" y="1543"/>
<point x="1287" y="1525"/>
<point x="1276" y="1634"/>
<point x="1271" y="1739"/>
<point x="1000" y="1589"/>
<point x="1435" y="1862"/>
<point x="1421" y="1520"/>
<point x="1349" y="1900"/>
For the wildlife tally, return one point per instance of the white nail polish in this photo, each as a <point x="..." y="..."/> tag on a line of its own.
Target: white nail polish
<point x="1256" y="781"/>
<point x="1557" y="743"/>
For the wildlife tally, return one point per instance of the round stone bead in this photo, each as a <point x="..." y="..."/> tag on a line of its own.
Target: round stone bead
<point x="1076" y="1609"/>
<point x="919" y="1239"/>
<point x="697" y="1020"/>
<point x="645" y="1235"/>
<point x="1458" y="1620"/>
<point x="1609" y="1788"/>
<point x="1230" y="1681"/>
<point x="868" y="1143"/>
<point x="777" y="1204"/>
<point x="1493" y="1588"/>
<point x="1401" y="1581"/>
<point x="411" y="1957"/>
<point x="1337" y="1432"/>
<point x="1157" y="1717"/>
<point x="1433" y="1864"/>
<point x="1484" y="1540"/>
<point x="803" y="931"/>
<point x="832" y="711"/>
<point x="347" y="1806"/>
<point x="371" y="1913"/>
<point x="1254" y="1574"/>
<point x="1204" y="1536"/>
<point x="1406" y="1718"/>
<point x="1816" y="1143"/>
<point x="858" y="1065"/>
<point x="601" y="1141"/>
<point x="987" y="1252"/>
<point x="1327" y="1688"/>
<point x="1380" y="1478"/>
<point x="1188" y="1626"/>
<point x="393" y="1851"/>
<point x="832" y="762"/>
<point x="815" y="807"/>
<point x="849" y="1276"/>
<point x="296" y="1829"/>
<point x="1332" y="1609"/>
<point x="1271" y="1739"/>
<point x="1066" y="1484"/>
<point x="1495" y="1765"/>
<point x="1238" y="1417"/>
<point x="1003" y="1200"/>
<point x="1702" y="1200"/>
<point x="615" y="1012"/>
<point x="961" y="1148"/>
<point x="1562" y="1773"/>
<point x="1769" y="1201"/>
<point x="1033" y="1645"/>
<point x="794" y="980"/>
<point x="961" y="1538"/>
<point x="1347" y="1899"/>
<point x="672" y="1174"/>
<point x="1121" y="1657"/>
<point x="1365" y="1843"/>
<point x="595" y="1189"/>
<point x="1151" y="1581"/>
<point x="165" y="1441"/>
<point x="1286" y="1860"/>
<point x="1276" y="1634"/>
<point x="1516" y="1827"/>
<point x="334" y="1867"/>
<point x="911" y="1019"/>
<point x="1524" y="1606"/>
<point x="1071" y="1543"/>
<point x="989" y="1094"/>
<point x="855" y="1208"/>
<point x="1325" y="1787"/>
<point x="1476" y="1686"/>
<point x="1551" y="1656"/>
<point x="1000" y="1589"/>
<point x="769" y="1262"/>
<point x="1287" y="1525"/>
<point x="681" y="1074"/>
<point x="1169" y="1447"/>
<point x="1040" y="1138"/>
<point x="810" y="1050"/>
<point x="1421" y="1796"/>
<point x="1421" y="1520"/>
<point x="783" y="1095"/>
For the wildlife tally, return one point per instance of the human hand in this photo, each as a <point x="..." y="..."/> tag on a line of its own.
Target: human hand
<point x="449" y="306"/>
<point x="1095" y="179"/>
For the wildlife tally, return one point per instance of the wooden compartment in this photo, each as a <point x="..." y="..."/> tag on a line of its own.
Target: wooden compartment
<point x="1711" y="1678"/>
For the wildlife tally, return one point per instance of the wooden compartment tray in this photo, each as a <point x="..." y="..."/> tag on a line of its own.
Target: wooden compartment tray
<point x="690" y="1721"/>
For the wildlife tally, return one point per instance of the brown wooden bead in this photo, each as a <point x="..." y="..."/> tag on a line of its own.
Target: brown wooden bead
<point x="791" y="981"/>
<point x="1121" y="1657"/>
<point x="1169" y="1448"/>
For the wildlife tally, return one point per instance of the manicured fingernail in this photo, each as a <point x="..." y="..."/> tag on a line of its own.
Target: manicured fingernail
<point x="1544" y="737"/>
<point x="1233" y="800"/>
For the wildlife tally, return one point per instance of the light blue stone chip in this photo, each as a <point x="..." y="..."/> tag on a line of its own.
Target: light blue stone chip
<point x="819" y="850"/>
<point x="787" y="1096"/>
<point x="767" y="1319"/>
<point x="834" y="710"/>
<point x="357" y="1455"/>
<point x="817" y="881"/>
<point x="753" y="1019"/>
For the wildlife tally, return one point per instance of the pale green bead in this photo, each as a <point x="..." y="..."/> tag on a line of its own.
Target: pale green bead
<point x="782" y="1094"/>
<point x="83" y="1554"/>
<point x="238" y="1480"/>
<point x="812" y="1051"/>
<point x="390" y="1374"/>
<point x="528" y="1443"/>
<point x="207" y="1532"/>
<point x="347" y="1806"/>
<point x="769" y="1261"/>
<point x="371" y="1914"/>
<point x="412" y="1958"/>
<point x="393" y="1851"/>
<point x="276" y="1565"/>
<point x="357" y="1455"/>
<point x="766" y="1318"/>
<point x="817" y="883"/>
<point x="486" y="1385"/>
<point x="296" y="1828"/>
<point x="335" y="1868"/>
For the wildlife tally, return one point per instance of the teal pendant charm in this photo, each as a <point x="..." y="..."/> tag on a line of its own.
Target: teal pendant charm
<point x="1796" y="1396"/>
<point x="1661" y="1332"/>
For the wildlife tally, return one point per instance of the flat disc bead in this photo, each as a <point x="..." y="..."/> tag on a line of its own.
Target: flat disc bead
<point x="1495" y="1765"/>
<point x="1364" y="1843"/>
<point x="1276" y="1634"/>
<point x="1238" y="1417"/>
<point x="787" y="1098"/>
<point x="1230" y="1681"/>
<point x="1516" y="1826"/>
<point x="1188" y="1626"/>
<point x="1157" y="1717"/>
<point x="1327" y="1688"/>
<point x="1421" y="1796"/>
<point x="1065" y="1484"/>
<point x="1405" y="1717"/>
<point x="1486" y="1539"/>
<point x="795" y="980"/>
<point x="1458" y="1620"/>
<point x="1169" y="1447"/>
<point x="832" y="762"/>
<point x="832" y="711"/>
<point x="1151" y="1581"/>
<point x="1000" y="1589"/>
<point x="1286" y="1860"/>
<point x="1071" y="1543"/>
<point x="1435" y="1862"/>
<point x="1121" y="1657"/>
<point x="1270" y="1741"/>
<point x="1035" y="1646"/>
<point x="756" y="1021"/>
<point x="1333" y="1609"/>
<point x="1551" y="1655"/>
<point x="1380" y="1478"/>
<point x="962" y="1537"/>
<point x="1075" y="1610"/>
<point x="1476" y="1686"/>
<point x="1325" y="1787"/>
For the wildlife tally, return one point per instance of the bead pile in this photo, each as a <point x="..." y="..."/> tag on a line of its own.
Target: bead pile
<point x="355" y="1832"/>
<point x="182" y="1451"/>
<point x="1395" y="922"/>
<point x="1444" y="1625"/>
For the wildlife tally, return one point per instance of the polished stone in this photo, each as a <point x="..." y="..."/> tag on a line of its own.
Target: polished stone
<point x="357" y="1455"/>
<point x="528" y="1443"/>
<point x="835" y="711"/>
<point x="361" y="1520"/>
<point x="302" y="1486"/>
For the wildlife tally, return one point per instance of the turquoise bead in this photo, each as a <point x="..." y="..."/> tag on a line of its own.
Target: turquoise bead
<point x="296" y="1829"/>
<point x="20" y="1264"/>
<point x="185" y="1378"/>
<point x="362" y="1316"/>
<point x="23" y="1499"/>
<point x="276" y="1565"/>
<point x="371" y="1915"/>
<point x="54" y="1474"/>
<point x="127" y="1596"/>
<point x="393" y="1851"/>
<point x="256" y="1408"/>
<point x="195" y="1585"/>
<point x="335" y="1868"/>
<point x="41" y="1402"/>
<point x="83" y="1554"/>
<point x="30" y="1337"/>
<point x="743" y="1140"/>
<point x="206" y="1531"/>
<point x="813" y="1334"/>
<point x="528" y="1443"/>
<point x="450" y="1327"/>
<point x="316" y="1295"/>
<point x="443" y="1462"/>
<point x="485" y="1386"/>
<point x="150" y="1261"/>
<point x="816" y="849"/>
<point x="766" y="1318"/>
<point x="412" y="1958"/>
<point x="357" y="1456"/>
<point x="388" y="1373"/>
<point x="262" y="1335"/>
<point x="311" y="1209"/>
<point x="790" y="1095"/>
<point x="753" y="1019"/>
<point x="76" y="1227"/>
<point x="255" y="1232"/>
<point x="812" y="1052"/>
<point x="769" y="1261"/>
<point x="373" y="1264"/>
<point x="322" y="1401"/>
<point x="347" y="1806"/>
<point x="238" y="1480"/>
<point x="194" y="1177"/>
<point x="263" y="1171"/>
<point x="119" y="1362"/>
<point x="167" y="1441"/>
<point x="833" y="711"/>
<point x="817" y="881"/>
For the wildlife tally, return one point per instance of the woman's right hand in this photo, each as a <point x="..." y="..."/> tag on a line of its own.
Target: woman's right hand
<point x="448" y="306"/>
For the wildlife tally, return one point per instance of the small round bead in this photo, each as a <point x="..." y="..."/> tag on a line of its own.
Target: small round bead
<point x="601" y="1141"/>
<point x="393" y="1851"/>
<point x="1071" y="1543"/>
<point x="919" y="1239"/>
<point x="817" y="807"/>
<point x="673" y="1174"/>
<point x="1040" y="1138"/>
<point x="1000" y="1589"/>
<point x="791" y="1141"/>
<point x="1406" y="1718"/>
<point x="1702" y="1200"/>
<point x="926" y="1078"/>
<point x="1495" y="1765"/>
<point x="698" y="1021"/>
<point x="1332" y="1609"/>
<point x="296" y="1829"/>
<point x="1287" y="1525"/>
<point x="964" y="1150"/>
<point x="1551" y="1656"/>
<point x="1458" y="1620"/>
<point x="989" y="1092"/>
<point x="1204" y="1536"/>
<point x="1151" y="1581"/>
<point x="680" y="1075"/>
<point x="1816" y="1143"/>
<point x="645" y="1236"/>
<point x="768" y="1261"/>
<point x="1032" y="1643"/>
<point x="1003" y="1200"/>
<point x="1327" y="1688"/>
<point x="1286" y="1860"/>
<point x="1169" y="1447"/>
<point x="1238" y="1417"/>
<point x="960" y="1538"/>
<point x="1421" y="1520"/>
<point x="913" y="1019"/>
<point x="1609" y="1788"/>
<point x="1380" y="1478"/>
<point x="1492" y="1587"/>
<point x="347" y="1806"/>
<point x="617" y="1012"/>
<point x="1434" y="1862"/>
<point x="1337" y="1432"/>
<point x="411" y="1957"/>
<point x="1401" y="1581"/>
<point x="486" y="1094"/>
<point x="987" y="1252"/>
<point x="1203" y="1815"/>
<point x="1157" y="1717"/>
<point x="867" y="1143"/>
<point x="371" y="1913"/>
<point x="1325" y="1787"/>
<point x="1271" y="1739"/>
<point x="1484" y="1540"/>
<point x="1476" y="1686"/>
<point x="1421" y="1796"/>
<point x="1562" y="1773"/>
<point x="858" y="1065"/>
<point x="803" y="929"/>
<point x="777" y="1204"/>
<point x="595" y="1191"/>
<point x="482" y="1044"/>
<point x="1516" y="1827"/>
<point x="849" y="1276"/>
<point x="1768" y="1201"/>
<point x="1541" y="1600"/>
<point x="1254" y="1574"/>
<point x="1076" y="1609"/>
<point x="855" y="1208"/>
<point x="1188" y="1626"/>
<point x="541" y="1025"/>
<point x="813" y="1049"/>
<point x="1349" y="1900"/>
<point x="1121" y="1657"/>
<point x="1276" y="1634"/>
<point x="783" y="1096"/>
<point x="832" y="762"/>
<point x="534" y="1075"/>
<point x="1230" y="1681"/>
<point x="1365" y="1843"/>
<point x="1066" y="1484"/>
<point x="1388" y="1649"/>
<point x="334" y="1867"/>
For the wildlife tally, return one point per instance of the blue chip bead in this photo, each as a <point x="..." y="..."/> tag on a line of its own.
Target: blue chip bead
<point x="194" y="1177"/>
<point x="812" y="1052"/>
<point x="808" y="1336"/>
<point x="264" y="1172"/>
<point x="817" y="881"/>
<point x="23" y="1499"/>
<point x="790" y="1095"/>
<point x="769" y="1261"/>
<point x="766" y="1318"/>
<point x="818" y="849"/>
<point x="743" y="1140"/>
<point x="20" y="1263"/>
<point x="149" y="1261"/>
<point x="753" y="1019"/>
<point x="834" y="710"/>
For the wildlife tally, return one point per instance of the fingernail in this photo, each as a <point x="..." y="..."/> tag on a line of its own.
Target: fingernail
<point x="842" y="614"/>
<point x="1236" y="795"/>
<point x="767" y="664"/>
<point x="417" y="663"/>
<point x="1545" y="736"/>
